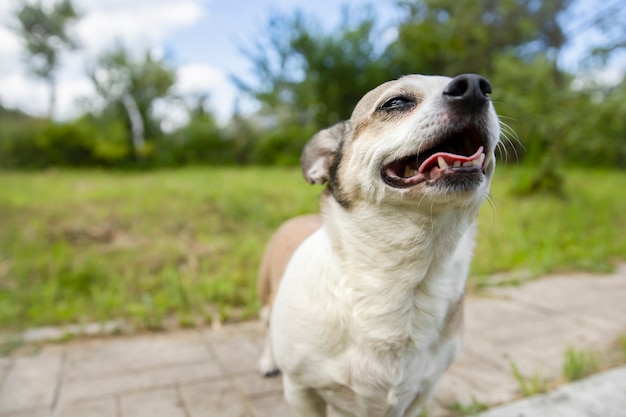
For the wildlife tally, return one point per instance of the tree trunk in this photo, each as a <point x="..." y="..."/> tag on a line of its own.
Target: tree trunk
<point x="52" y="98"/>
<point x="136" y="123"/>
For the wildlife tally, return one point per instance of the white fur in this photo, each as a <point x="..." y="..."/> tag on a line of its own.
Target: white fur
<point x="358" y="316"/>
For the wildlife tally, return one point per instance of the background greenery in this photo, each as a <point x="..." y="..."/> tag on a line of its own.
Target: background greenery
<point x="112" y="215"/>
<point x="306" y="78"/>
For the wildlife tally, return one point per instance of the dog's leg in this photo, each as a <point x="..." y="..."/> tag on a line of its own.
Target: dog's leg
<point x="417" y="408"/>
<point x="266" y="366"/>
<point x="304" y="401"/>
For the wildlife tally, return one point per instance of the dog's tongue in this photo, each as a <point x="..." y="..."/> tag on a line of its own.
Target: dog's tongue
<point x="444" y="160"/>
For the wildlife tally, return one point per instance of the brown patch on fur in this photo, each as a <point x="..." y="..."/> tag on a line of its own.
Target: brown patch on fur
<point x="279" y="250"/>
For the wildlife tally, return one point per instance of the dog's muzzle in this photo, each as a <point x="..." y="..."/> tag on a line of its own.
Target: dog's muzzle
<point x="458" y="153"/>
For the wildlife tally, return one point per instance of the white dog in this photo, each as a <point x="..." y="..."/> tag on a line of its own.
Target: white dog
<point x="368" y="314"/>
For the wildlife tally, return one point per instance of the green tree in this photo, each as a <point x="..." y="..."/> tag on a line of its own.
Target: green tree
<point x="307" y="76"/>
<point x="451" y="37"/>
<point x="200" y="141"/>
<point x="46" y="35"/>
<point x="130" y="88"/>
<point x="516" y="44"/>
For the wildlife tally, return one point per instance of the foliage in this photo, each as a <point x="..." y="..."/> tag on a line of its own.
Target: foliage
<point x="538" y="234"/>
<point x="529" y="386"/>
<point x="319" y="75"/>
<point x="78" y="245"/>
<point x="130" y="88"/>
<point x="33" y="143"/>
<point x="579" y="364"/>
<point x="46" y="35"/>
<point x="200" y="142"/>
<point x="452" y="37"/>
<point x="470" y="409"/>
<point x="306" y="78"/>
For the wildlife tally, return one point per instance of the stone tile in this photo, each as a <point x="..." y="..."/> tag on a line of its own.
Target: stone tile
<point x="273" y="405"/>
<point x="253" y="384"/>
<point x="543" y="350"/>
<point x="470" y="378"/>
<point x="5" y="362"/>
<point x="501" y="356"/>
<point x="215" y="399"/>
<point x="249" y="330"/>
<point x="157" y="403"/>
<point x="35" y="412"/>
<point x="604" y="324"/>
<point x="31" y="380"/>
<point x="237" y="352"/>
<point x="106" y="407"/>
<point x="602" y="395"/>
<point x="77" y="389"/>
<point x="521" y="326"/>
<point x="90" y="358"/>
<point x="453" y="388"/>
<point x="438" y="409"/>
<point x="610" y="310"/>
<point x="566" y="293"/>
<point x="486" y="315"/>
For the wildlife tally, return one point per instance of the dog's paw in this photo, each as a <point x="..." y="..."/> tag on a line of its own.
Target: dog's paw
<point x="266" y="367"/>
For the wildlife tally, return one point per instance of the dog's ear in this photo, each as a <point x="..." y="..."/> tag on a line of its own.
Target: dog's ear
<point x="320" y="150"/>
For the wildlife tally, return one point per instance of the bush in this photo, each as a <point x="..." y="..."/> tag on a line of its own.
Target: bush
<point x="200" y="142"/>
<point x="281" y="146"/>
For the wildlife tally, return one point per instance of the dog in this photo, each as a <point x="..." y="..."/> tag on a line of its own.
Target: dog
<point x="368" y="314"/>
<point x="279" y="250"/>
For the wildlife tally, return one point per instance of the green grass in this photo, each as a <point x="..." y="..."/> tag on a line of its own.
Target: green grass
<point x="469" y="409"/>
<point x="579" y="364"/>
<point x="529" y="386"/>
<point x="80" y="246"/>
<point x="532" y="236"/>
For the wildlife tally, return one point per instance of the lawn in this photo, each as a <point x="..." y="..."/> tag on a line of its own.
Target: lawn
<point x="184" y="245"/>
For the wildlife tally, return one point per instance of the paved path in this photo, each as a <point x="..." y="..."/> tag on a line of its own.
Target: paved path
<point x="205" y="373"/>
<point x="602" y="395"/>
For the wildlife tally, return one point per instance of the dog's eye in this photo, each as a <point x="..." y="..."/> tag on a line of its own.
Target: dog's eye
<point x="399" y="103"/>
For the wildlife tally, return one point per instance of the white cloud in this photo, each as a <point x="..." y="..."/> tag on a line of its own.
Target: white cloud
<point x="20" y="90"/>
<point x="194" y="80"/>
<point x="138" y="25"/>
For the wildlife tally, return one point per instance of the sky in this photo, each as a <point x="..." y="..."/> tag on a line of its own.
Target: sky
<point x="201" y="38"/>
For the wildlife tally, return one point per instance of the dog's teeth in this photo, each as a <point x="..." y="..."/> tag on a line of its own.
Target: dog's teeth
<point x="442" y="163"/>
<point x="456" y="164"/>
<point x="479" y="161"/>
<point x="408" y="172"/>
<point x="467" y="164"/>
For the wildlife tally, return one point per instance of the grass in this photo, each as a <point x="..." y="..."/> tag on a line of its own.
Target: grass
<point x="531" y="236"/>
<point x="469" y="409"/>
<point x="579" y="364"/>
<point x="184" y="245"/>
<point x="533" y="385"/>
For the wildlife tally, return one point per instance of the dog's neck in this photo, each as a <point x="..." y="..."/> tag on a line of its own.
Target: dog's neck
<point x="406" y="262"/>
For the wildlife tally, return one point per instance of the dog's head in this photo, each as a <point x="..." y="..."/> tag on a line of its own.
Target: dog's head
<point x="419" y="139"/>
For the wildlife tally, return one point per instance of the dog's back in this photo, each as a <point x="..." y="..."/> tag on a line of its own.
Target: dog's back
<point x="279" y="250"/>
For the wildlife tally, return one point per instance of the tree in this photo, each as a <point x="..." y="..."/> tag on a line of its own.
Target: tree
<point x="306" y="76"/>
<point x="451" y="37"/>
<point x="46" y="34"/>
<point x="131" y="87"/>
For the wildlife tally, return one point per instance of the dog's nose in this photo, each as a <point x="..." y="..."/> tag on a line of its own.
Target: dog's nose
<point x="469" y="91"/>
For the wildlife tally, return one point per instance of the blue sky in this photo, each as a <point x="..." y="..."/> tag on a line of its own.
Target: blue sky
<point x="200" y="37"/>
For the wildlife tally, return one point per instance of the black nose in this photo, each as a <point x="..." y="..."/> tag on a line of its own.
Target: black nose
<point x="468" y="91"/>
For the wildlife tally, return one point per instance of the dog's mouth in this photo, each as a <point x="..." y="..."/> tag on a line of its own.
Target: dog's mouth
<point x="459" y="153"/>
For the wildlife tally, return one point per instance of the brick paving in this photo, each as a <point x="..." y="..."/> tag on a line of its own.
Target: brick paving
<point x="206" y="372"/>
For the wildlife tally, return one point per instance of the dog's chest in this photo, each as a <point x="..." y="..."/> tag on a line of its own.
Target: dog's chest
<point x="387" y="384"/>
